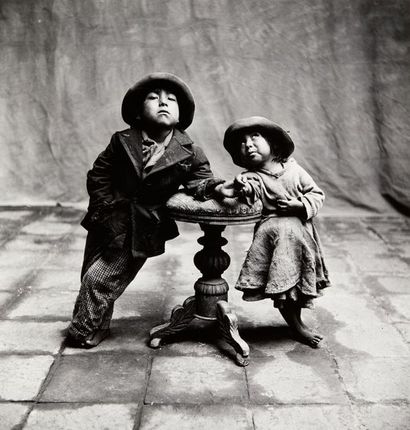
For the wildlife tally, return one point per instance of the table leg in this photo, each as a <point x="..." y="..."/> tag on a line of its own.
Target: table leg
<point x="228" y="325"/>
<point x="211" y="295"/>
<point x="181" y="316"/>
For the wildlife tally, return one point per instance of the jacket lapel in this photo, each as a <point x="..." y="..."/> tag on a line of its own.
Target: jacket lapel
<point x="131" y="140"/>
<point x="178" y="149"/>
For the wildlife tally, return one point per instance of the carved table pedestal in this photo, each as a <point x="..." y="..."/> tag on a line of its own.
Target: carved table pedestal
<point x="210" y="301"/>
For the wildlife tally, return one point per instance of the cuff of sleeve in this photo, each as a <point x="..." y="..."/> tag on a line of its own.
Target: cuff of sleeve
<point x="206" y="189"/>
<point x="308" y="208"/>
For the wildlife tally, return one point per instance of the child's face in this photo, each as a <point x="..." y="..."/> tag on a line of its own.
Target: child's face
<point x="255" y="150"/>
<point x="161" y="107"/>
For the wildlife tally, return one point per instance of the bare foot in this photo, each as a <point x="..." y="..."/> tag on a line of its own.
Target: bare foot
<point x="306" y="328"/>
<point x="313" y="332"/>
<point x="301" y="332"/>
<point x="307" y="337"/>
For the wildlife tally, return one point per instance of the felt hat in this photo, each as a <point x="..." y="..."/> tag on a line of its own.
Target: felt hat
<point x="134" y="97"/>
<point x="271" y="131"/>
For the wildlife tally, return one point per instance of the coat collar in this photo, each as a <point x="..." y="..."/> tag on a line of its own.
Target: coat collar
<point x="178" y="149"/>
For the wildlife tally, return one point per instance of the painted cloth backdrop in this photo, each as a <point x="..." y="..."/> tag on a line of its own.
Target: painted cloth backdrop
<point x="334" y="73"/>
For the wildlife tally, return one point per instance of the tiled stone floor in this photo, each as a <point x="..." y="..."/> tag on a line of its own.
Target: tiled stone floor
<point x="358" y="379"/>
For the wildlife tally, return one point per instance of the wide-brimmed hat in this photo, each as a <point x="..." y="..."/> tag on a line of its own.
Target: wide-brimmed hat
<point x="271" y="131"/>
<point x="134" y="97"/>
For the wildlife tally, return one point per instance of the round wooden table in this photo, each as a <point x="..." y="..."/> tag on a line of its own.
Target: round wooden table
<point x="210" y="301"/>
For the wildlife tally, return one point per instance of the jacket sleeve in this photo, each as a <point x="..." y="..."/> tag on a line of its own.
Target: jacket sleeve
<point x="200" y="181"/>
<point x="312" y="196"/>
<point x="99" y="178"/>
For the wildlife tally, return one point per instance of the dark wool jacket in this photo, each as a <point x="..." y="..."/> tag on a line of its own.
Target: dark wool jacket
<point x="127" y="206"/>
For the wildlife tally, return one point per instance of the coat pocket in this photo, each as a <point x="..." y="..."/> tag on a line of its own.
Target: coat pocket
<point x="108" y="221"/>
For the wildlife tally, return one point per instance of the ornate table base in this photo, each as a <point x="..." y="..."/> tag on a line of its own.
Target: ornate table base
<point x="211" y="295"/>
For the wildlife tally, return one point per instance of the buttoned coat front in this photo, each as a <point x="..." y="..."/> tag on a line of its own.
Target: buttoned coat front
<point x="127" y="204"/>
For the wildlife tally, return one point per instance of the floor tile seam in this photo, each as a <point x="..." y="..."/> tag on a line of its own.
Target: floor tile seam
<point x="62" y="241"/>
<point x="246" y="404"/>
<point x="343" y="385"/>
<point x="27" y="280"/>
<point x="405" y="340"/>
<point x="26" y="353"/>
<point x="51" y="372"/>
<point x="36" y="318"/>
<point x="105" y="352"/>
<point x="141" y="404"/>
<point x="43" y="386"/>
<point x="354" y="354"/>
<point x="384" y="235"/>
<point x="182" y="355"/>
<point x="359" y="274"/>
<point x="112" y="353"/>
<point x="18" y="294"/>
<point x="353" y="402"/>
<point x="392" y="272"/>
<point x="19" y="226"/>
<point x="373" y="231"/>
<point x="38" y="213"/>
<point x="17" y="402"/>
<point x="12" y="305"/>
<point x="391" y="402"/>
<point x="82" y="403"/>
<point x="388" y="313"/>
<point x="371" y="325"/>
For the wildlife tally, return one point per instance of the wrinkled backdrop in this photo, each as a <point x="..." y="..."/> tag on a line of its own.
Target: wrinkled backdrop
<point x="334" y="73"/>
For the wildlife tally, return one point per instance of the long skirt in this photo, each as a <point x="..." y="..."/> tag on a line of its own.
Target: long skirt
<point x="285" y="262"/>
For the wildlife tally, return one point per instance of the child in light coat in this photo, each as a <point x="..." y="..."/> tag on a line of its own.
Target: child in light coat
<point x="285" y="261"/>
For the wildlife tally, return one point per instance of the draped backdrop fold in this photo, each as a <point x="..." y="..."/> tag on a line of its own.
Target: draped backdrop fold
<point x="334" y="73"/>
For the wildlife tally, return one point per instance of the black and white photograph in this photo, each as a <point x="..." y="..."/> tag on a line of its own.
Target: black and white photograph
<point x="204" y="215"/>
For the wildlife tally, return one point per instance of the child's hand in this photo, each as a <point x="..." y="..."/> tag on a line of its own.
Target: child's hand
<point x="242" y="185"/>
<point x="290" y="206"/>
<point x="226" y="189"/>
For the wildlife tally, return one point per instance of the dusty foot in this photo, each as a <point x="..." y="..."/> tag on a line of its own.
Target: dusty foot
<point x="308" y="329"/>
<point x="307" y="337"/>
<point x="313" y="332"/>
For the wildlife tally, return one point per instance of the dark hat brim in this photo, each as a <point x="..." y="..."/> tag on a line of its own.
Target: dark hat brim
<point x="135" y="96"/>
<point x="271" y="131"/>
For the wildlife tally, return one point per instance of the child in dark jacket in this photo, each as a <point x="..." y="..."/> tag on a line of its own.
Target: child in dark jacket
<point x="285" y="261"/>
<point x="128" y="185"/>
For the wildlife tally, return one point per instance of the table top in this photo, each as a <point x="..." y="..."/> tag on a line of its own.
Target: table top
<point x="183" y="207"/>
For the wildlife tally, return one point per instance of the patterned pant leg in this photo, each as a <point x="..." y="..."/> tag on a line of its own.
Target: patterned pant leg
<point x="105" y="280"/>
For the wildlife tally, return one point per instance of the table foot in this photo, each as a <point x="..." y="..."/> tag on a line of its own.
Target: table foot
<point x="228" y="324"/>
<point x="180" y="318"/>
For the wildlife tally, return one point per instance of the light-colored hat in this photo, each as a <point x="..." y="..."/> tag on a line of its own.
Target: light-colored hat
<point x="136" y="94"/>
<point x="273" y="133"/>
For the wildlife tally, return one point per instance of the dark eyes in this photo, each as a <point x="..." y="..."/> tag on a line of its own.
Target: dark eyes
<point x="155" y="96"/>
<point x="252" y="136"/>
